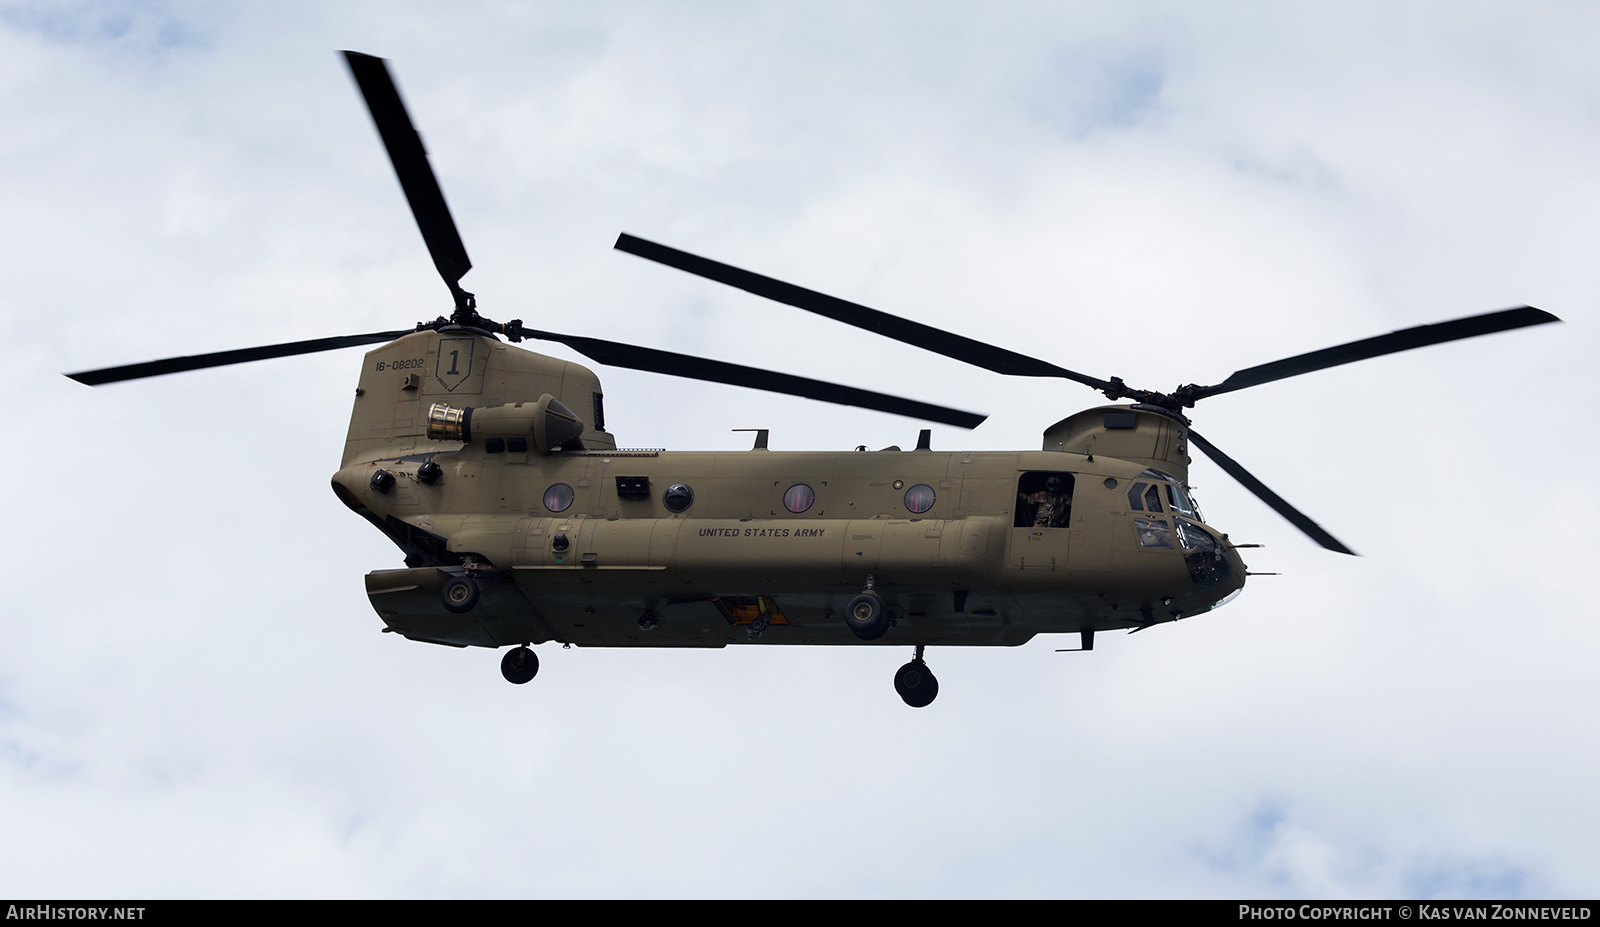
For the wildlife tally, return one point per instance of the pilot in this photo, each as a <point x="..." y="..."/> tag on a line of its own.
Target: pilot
<point x="1052" y="505"/>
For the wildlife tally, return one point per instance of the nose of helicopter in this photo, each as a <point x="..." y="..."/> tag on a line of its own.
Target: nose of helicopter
<point x="1236" y="575"/>
<point x="1214" y="566"/>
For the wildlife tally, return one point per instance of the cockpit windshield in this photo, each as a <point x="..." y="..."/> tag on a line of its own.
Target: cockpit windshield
<point x="1145" y="497"/>
<point x="1179" y="500"/>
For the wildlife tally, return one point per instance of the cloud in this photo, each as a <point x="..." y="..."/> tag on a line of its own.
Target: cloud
<point x="152" y="29"/>
<point x="192" y="674"/>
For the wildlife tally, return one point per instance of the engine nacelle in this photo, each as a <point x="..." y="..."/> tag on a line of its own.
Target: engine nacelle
<point x="547" y="423"/>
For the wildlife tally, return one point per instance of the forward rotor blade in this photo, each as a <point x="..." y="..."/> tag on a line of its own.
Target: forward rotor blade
<point x="1405" y="339"/>
<point x="410" y="162"/>
<point x="1272" y="499"/>
<point x="698" y="368"/>
<point x="916" y="334"/>
<point x="224" y="358"/>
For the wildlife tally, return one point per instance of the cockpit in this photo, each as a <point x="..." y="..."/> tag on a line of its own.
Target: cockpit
<point x="1148" y="496"/>
<point x="1166" y="518"/>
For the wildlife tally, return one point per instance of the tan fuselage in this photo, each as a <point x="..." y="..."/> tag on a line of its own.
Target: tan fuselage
<point x="578" y="545"/>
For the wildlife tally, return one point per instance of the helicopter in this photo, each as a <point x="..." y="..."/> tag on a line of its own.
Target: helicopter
<point x="522" y="521"/>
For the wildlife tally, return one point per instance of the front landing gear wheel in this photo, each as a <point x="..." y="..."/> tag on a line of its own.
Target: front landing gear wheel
<point x="866" y="617"/>
<point x="519" y="665"/>
<point x="916" y="685"/>
<point x="460" y="594"/>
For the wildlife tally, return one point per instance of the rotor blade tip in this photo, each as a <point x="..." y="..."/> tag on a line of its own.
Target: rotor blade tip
<point x="630" y="243"/>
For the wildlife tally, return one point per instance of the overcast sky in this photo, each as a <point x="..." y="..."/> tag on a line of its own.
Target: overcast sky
<point x="195" y="699"/>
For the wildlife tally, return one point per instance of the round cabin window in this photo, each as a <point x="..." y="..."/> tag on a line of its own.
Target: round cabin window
<point x="919" y="498"/>
<point x="678" y="497"/>
<point x="799" y="498"/>
<point x="558" y="498"/>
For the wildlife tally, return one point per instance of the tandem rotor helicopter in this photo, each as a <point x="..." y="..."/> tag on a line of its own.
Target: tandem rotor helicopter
<point x="522" y="522"/>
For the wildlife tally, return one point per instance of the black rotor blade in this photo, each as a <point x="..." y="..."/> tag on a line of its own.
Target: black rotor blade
<point x="634" y="357"/>
<point x="1405" y="339"/>
<point x="410" y="162"/>
<point x="1272" y="499"/>
<point x="156" y="368"/>
<point x="916" y="334"/>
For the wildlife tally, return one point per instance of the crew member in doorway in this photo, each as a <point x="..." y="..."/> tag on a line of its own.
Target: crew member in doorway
<point x="1052" y="505"/>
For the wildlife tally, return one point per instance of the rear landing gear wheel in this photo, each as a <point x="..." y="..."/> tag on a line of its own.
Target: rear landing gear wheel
<point x="519" y="665"/>
<point x="460" y="594"/>
<point x="916" y="685"/>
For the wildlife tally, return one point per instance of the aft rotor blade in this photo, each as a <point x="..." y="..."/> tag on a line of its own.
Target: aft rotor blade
<point x="634" y="357"/>
<point x="1404" y="340"/>
<point x="916" y="334"/>
<point x="410" y="162"/>
<point x="1277" y="502"/>
<point x="224" y="358"/>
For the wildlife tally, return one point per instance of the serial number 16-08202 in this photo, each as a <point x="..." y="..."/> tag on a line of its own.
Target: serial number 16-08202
<point x="399" y="364"/>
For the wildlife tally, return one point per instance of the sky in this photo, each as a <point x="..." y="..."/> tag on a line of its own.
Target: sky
<point x="196" y="701"/>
